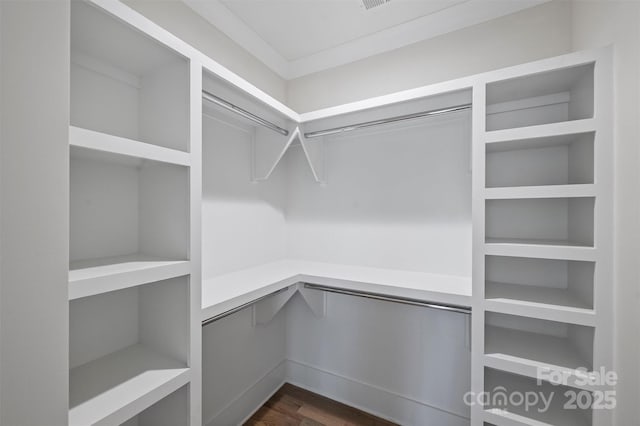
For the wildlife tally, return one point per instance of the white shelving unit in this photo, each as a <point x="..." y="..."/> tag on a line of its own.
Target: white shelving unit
<point x="112" y="389"/>
<point x="134" y="281"/>
<point x="393" y="217"/>
<point x="542" y="236"/>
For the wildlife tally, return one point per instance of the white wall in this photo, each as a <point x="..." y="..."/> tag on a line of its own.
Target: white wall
<point x="247" y="217"/>
<point x="599" y="23"/>
<point x="397" y="197"/>
<point x="183" y="22"/>
<point x="406" y="363"/>
<point x="34" y="176"/>
<point x="525" y="36"/>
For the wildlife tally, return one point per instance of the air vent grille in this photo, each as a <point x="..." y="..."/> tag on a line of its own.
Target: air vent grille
<point x="370" y="4"/>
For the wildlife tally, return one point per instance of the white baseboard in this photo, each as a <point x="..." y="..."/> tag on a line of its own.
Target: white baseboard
<point x="248" y="402"/>
<point x="379" y="402"/>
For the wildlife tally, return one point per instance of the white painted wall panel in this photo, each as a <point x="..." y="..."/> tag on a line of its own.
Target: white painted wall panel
<point x="410" y="354"/>
<point x="396" y="198"/>
<point x="34" y="179"/>
<point x="243" y="222"/>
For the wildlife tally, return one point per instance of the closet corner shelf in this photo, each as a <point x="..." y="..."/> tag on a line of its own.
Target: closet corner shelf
<point x="103" y="142"/>
<point x="546" y="191"/>
<point x="541" y="131"/>
<point x="526" y="353"/>
<point x="114" y="388"/>
<point x="546" y="249"/>
<point x="225" y="292"/>
<point x="92" y="277"/>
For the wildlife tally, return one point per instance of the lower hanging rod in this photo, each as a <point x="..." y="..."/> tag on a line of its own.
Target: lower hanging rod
<point x="241" y="307"/>
<point x="397" y="299"/>
<point x="210" y="97"/>
<point x="395" y="119"/>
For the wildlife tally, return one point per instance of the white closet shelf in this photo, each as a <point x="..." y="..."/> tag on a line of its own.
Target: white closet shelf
<point x="541" y="131"/>
<point x="103" y="142"/>
<point x="545" y="297"/>
<point x="547" y="249"/>
<point x="114" y="388"/>
<point x="508" y="418"/>
<point x="96" y="276"/>
<point x="538" y="310"/>
<point x="545" y="191"/>
<point x="524" y="353"/>
<point x="228" y="291"/>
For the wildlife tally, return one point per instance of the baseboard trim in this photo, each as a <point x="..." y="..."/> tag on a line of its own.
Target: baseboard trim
<point x="372" y="399"/>
<point x="243" y="406"/>
<point x="380" y="402"/>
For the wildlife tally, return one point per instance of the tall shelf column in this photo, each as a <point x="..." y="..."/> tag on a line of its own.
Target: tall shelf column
<point x="542" y="259"/>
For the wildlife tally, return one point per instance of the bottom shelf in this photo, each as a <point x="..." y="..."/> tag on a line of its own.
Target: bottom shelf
<point x="118" y="386"/>
<point x="549" y="407"/>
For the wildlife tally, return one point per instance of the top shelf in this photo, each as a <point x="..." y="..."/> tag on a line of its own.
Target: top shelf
<point x="126" y="84"/>
<point x="549" y="97"/>
<point x="97" y="141"/>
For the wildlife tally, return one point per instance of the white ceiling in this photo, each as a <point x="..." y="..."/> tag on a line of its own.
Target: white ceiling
<point x="299" y="37"/>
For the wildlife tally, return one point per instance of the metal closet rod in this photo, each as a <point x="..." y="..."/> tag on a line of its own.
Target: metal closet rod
<point x="365" y="294"/>
<point x="395" y="119"/>
<point x="241" y="307"/>
<point x="396" y="299"/>
<point x="210" y="97"/>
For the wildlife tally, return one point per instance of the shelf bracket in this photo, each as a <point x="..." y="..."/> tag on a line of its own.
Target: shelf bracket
<point x="316" y="300"/>
<point x="265" y="310"/>
<point x="268" y="150"/>
<point x="314" y="152"/>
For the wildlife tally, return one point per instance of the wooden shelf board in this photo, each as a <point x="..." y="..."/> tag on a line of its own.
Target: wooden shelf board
<point x="524" y="353"/>
<point x="546" y="249"/>
<point x="546" y="191"/>
<point x="227" y="291"/>
<point x="547" y="297"/>
<point x="105" y="143"/>
<point x="114" y="388"/>
<point x="569" y="315"/>
<point x="541" y="131"/>
<point x="509" y="418"/>
<point x="96" y="276"/>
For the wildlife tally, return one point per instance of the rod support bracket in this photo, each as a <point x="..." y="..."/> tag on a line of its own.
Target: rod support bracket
<point x="265" y="310"/>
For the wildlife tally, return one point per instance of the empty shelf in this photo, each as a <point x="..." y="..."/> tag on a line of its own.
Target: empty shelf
<point x="502" y="417"/>
<point x="535" y="295"/>
<point x="505" y="412"/>
<point x="541" y="131"/>
<point x="103" y="142"/>
<point x="91" y="277"/>
<point x="544" y="191"/>
<point x="532" y="248"/>
<point x="524" y="353"/>
<point x="114" y="388"/>
<point x="227" y="291"/>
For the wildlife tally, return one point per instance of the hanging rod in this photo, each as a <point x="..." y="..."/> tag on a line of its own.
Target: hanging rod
<point x="241" y="307"/>
<point x="396" y="299"/>
<point x="207" y="96"/>
<point x="395" y="119"/>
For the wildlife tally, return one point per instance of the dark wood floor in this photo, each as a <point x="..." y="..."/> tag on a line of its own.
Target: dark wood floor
<point x="293" y="406"/>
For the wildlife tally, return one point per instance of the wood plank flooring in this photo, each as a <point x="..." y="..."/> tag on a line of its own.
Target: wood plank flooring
<point x="293" y="406"/>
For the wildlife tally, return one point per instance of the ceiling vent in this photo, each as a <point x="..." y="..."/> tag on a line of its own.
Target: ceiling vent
<point x="370" y="4"/>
